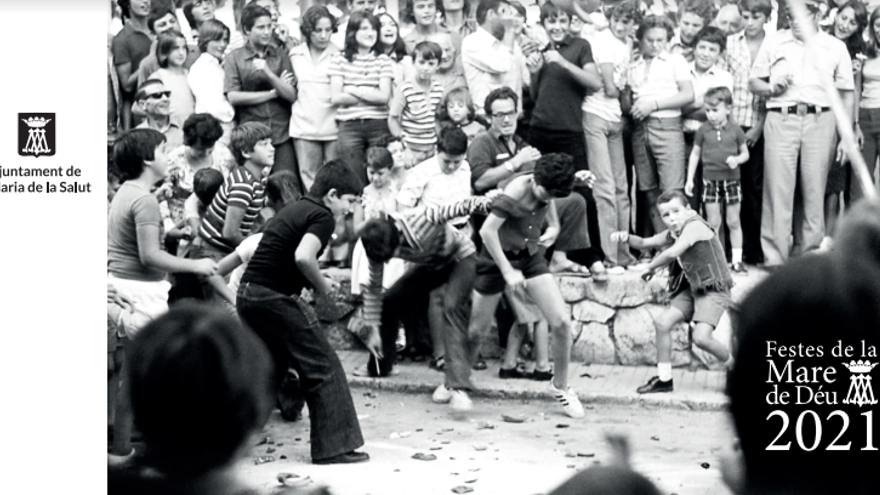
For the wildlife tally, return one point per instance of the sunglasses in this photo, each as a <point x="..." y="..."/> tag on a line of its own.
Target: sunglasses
<point x="160" y="94"/>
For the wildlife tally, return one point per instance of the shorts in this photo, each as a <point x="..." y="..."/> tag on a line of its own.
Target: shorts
<point x="150" y="300"/>
<point x="705" y="306"/>
<point x="730" y="191"/>
<point x="491" y="281"/>
<point x="658" y="150"/>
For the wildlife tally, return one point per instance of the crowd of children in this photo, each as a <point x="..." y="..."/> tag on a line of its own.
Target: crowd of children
<point x="297" y="154"/>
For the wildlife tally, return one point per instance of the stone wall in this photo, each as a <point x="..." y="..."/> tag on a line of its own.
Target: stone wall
<point x="612" y="322"/>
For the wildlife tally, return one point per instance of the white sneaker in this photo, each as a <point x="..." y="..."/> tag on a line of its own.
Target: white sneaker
<point x="442" y="395"/>
<point x="616" y="270"/>
<point x="460" y="401"/>
<point x="568" y="400"/>
<point x="120" y="460"/>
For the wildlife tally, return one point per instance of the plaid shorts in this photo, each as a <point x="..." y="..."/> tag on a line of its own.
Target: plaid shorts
<point x="716" y="190"/>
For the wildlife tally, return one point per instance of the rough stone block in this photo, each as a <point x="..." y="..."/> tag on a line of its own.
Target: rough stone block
<point x="634" y="339"/>
<point x="593" y="345"/>
<point x="620" y="291"/>
<point x="587" y="311"/>
<point x="723" y="333"/>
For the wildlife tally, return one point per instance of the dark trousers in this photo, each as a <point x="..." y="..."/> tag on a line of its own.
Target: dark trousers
<point x="289" y="327"/>
<point x="573" y="143"/>
<point x="411" y="289"/>
<point x="752" y="178"/>
<point x="354" y="137"/>
<point x="285" y="159"/>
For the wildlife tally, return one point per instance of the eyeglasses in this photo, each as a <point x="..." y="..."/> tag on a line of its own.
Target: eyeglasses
<point x="159" y="94"/>
<point x="504" y="115"/>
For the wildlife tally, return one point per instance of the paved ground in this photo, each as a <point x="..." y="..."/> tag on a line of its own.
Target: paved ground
<point x="595" y="384"/>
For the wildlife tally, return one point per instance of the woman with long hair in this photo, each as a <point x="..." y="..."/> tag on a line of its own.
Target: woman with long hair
<point x="868" y="89"/>
<point x="360" y="87"/>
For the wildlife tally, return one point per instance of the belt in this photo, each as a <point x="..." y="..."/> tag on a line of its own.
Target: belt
<point x="800" y="109"/>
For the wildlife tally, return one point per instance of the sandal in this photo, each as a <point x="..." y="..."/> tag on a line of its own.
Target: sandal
<point x="480" y="364"/>
<point x="542" y="376"/>
<point x="437" y="364"/>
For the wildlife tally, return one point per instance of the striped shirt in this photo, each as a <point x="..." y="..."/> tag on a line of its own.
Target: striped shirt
<point x="417" y="113"/>
<point x="427" y="239"/>
<point x="363" y="71"/>
<point x="241" y="189"/>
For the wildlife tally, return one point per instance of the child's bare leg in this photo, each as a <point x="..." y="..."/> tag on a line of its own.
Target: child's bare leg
<point x="713" y="214"/>
<point x="663" y="326"/>
<point x="736" y="233"/>
<point x="704" y="340"/>
<point x="542" y="345"/>
<point x="514" y="341"/>
<point x="123" y="423"/>
<point x="435" y="321"/>
<point x="546" y="295"/>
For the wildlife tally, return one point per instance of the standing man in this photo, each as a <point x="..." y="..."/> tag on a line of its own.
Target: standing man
<point x="800" y="130"/>
<point x="130" y="46"/>
<point x="491" y="57"/>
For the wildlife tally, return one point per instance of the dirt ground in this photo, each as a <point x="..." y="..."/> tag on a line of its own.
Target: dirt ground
<point x="677" y="449"/>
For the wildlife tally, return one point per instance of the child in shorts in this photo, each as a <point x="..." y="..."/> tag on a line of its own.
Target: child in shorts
<point x="513" y="256"/>
<point x="721" y="147"/>
<point x="699" y="286"/>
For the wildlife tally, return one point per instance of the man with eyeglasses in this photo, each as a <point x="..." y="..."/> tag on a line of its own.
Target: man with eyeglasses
<point x="155" y="102"/>
<point x="799" y="131"/>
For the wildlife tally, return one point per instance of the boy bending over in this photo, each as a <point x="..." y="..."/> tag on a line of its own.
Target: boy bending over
<point x="700" y="288"/>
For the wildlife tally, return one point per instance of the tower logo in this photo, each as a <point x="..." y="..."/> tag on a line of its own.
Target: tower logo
<point x="36" y="134"/>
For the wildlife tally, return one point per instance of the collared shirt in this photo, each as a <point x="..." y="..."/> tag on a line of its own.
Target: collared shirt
<point x="242" y="190"/>
<point x="660" y="81"/>
<point x="427" y="184"/>
<point x="784" y="56"/>
<point x="737" y="60"/>
<point x="417" y="110"/>
<point x="414" y="38"/>
<point x="716" y="145"/>
<point x="487" y="151"/>
<point x="557" y="103"/>
<point x="242" y="76"/>
<point x="677" y="47"/>
<point x="714" y="77"/>
<point x="608" y="49"/>
<point x="313" y="116"/>
<point x="206" y="77"/>
<point x="489" y="64"/>
<point x="130" y="46"/>
<point x="173" y="134"/>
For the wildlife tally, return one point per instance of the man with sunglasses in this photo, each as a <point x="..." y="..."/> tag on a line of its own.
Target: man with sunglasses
<point x="799" y="131"/>
<point x="155" y="102"/>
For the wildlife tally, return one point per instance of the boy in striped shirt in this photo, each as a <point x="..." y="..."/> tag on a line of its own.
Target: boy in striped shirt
<point x="414" y="106"/>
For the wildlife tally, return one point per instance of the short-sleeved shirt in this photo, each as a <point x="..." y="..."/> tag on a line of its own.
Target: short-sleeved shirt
<point x="364" y="71"/>
<point x="313" y="116"/>
<point x="242" y="76"/>
<point x="522" y="227"/>
<point x="559" y="95"/>
<point x="274" y="262"/>
<point x="660" y="81"/>
<point x="132" y="207"/>
<point x="488" y="151"/>
<point x="181" y="175"/>
<point x="715" y="146"/>
<point x="240" y="189"/>
<point x="417" y="110"/>
<point x="607" y="49"/>
<point x="870" y="97"/>
<point x="737" y="60"/>
<point x="428" y="185"/>
<point x="206" y="79"/>
<point x="130" y="46"/>
<point x="826" y="58"/>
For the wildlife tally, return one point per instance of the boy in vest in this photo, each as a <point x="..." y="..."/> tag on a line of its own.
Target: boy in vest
<point x="699" y="283"/>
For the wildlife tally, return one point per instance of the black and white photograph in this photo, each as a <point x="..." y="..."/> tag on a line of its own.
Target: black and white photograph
<point x="419" y="247"/>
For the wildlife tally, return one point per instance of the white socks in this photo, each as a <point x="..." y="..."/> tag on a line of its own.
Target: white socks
<point x="737" y="255"/>
<point x="664" y="371"/>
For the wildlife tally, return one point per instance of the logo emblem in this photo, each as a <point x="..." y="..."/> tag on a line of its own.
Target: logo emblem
<point x="860" y="390"/>
<point x="36" y="134"/>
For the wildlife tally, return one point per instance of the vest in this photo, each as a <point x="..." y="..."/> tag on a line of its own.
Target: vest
<point x="704" y="264"/>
